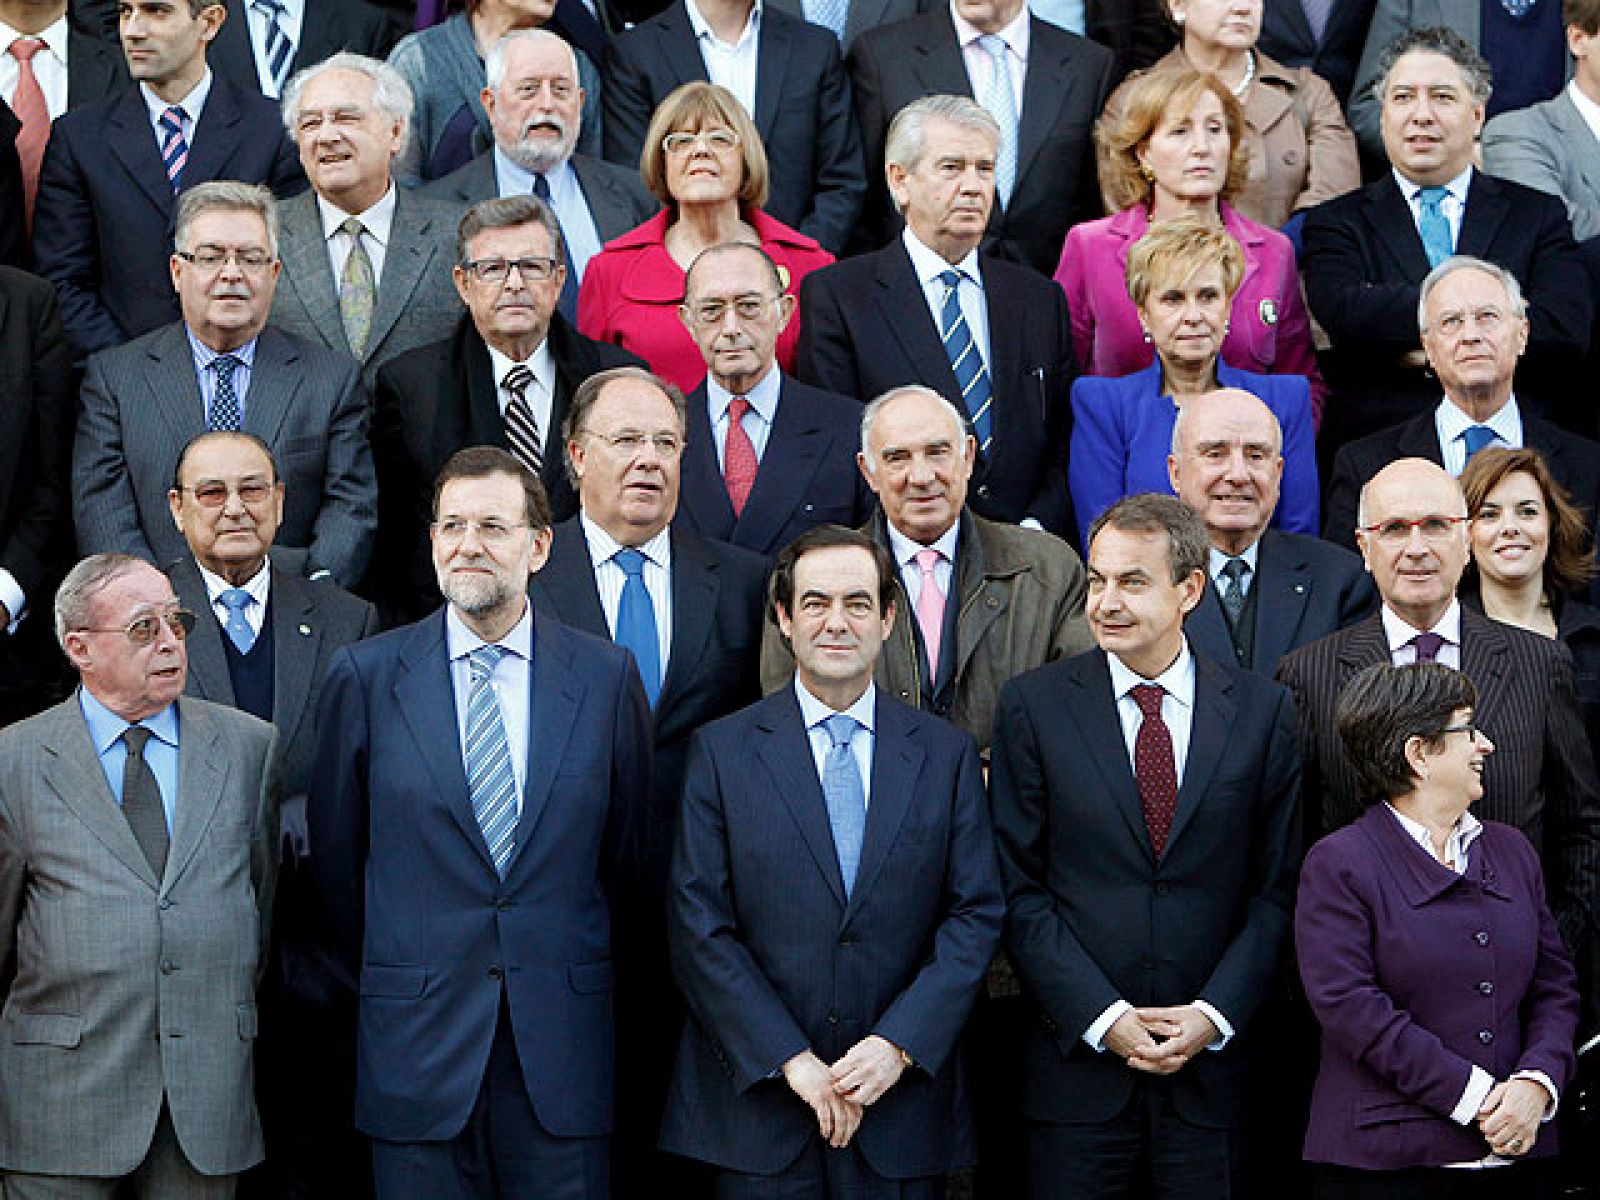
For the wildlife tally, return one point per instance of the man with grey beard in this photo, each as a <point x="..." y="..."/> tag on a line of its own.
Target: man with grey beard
<point x="535" y="108"/>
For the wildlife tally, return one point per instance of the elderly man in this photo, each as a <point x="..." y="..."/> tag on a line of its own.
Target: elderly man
<point x="1271" y="592"/>
<point x="261" y="643"/>
<point x="768" y="457"/>
<point x="535" y="107"/>
<point x="989" y="336"/>
<point x="137" y="839"/>
<point x="1412" y="531"/>
<point x="505" y="377"/>
<point x="222" y="368"/>
<point x="1475" y="325"/>
<point x="1366" y="253"/>
<point x="366" y="263"/>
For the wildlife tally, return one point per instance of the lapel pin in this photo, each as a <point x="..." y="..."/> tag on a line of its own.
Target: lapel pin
<point x="1269" y="312"/>
<point x="305" y="631"/>
<point x="1299" y="589"/>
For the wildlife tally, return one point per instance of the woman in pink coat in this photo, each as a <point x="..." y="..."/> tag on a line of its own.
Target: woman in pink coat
<point x="1177" y="151"/>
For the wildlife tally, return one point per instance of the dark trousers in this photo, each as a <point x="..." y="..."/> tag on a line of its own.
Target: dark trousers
<point x="502" y="1154"/>
<point x="1524" y="1181"/>
<point x="1145" y="1150"/>
<point x="823" y="1173"/>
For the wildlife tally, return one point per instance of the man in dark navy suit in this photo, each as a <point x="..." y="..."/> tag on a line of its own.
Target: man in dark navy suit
<point x="767" y="456"/>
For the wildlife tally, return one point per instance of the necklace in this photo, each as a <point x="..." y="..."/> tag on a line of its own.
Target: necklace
<point x="1243" y="85"/>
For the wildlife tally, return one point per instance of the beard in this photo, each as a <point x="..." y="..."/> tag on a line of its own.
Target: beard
<point x="474" y="594"/>
<point x="540" y="155"/>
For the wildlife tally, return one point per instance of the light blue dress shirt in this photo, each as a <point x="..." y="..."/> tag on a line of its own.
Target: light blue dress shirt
<point x="566" y="197"/>
<point x="160" y="752"/>
<point x="204" y="356"/>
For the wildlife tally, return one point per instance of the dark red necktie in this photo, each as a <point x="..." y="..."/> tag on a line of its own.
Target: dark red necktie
<point x="1154" y="768"/>
<point x="738" y="456"/>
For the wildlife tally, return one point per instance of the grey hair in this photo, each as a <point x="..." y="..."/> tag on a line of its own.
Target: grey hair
<point x="1475" y="71"/>
<point x="877" y="405"/>
<point x="1465" y="262"/>
<point x="391" y="94"/>
<point x="231" y="195"/>
<point x="1188" y="543"/>
<point x="507" y="212"/>
<point x="75" y="596"/>
<point x="494" y="67"/>
<point x="1178" y="425"/>
<point x="588" y="395"/>
<point x="907" y="140"/>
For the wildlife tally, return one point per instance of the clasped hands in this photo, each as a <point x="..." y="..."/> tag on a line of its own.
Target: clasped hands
<point x="838" y="1094"/>
<point x="1160" y="1040"/>
<point x="1510" y="1114"/>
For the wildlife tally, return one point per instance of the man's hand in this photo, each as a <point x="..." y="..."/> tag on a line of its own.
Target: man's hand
<point x="870" y="1069"/>
<point x="1510" y="1116"/>
<point x="1183" y="1031"/>
<point x="1129" y="1039"/>
<point x="811" y="1080"/>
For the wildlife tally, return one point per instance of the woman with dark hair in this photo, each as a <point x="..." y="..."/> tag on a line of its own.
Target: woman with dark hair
<point x="1447" y="1003"/>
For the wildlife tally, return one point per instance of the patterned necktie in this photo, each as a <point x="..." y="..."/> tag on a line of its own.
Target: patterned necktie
<point x="1433" y="226"/>
<point x="1476" y="437"/>
<point x="280" y="50"/>
<point x="830" y="14"/>
<point x="1001" y="101"/>
<point x="491" y="781"/>
<point x="636" y="621"/>
<point x="522" y="431"/>
<point x="224" y="413"/>
<point x="1317" y="13"/>
<point x="930" y="608"/>
<point x="1234" y="570"/>
<point x="236" y="601"/>
<point x="972" y="377"/>
<point x="1428" y="646"/>
<point x="174" y="149"/>
<point x="1154" y="768"/>
<point x="358" y="289"/>
<point x="1518" y="8"/>
<point x="141" y="801"/>
<point x="567" y="305"/>
<point x="29" y="104"/>
<point x="846" y="798"/>
<point x="738" y="456"/>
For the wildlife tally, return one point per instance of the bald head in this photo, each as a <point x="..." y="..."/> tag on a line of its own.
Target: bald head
<point x="1413" y="537"/>
<point x="1227" y="464"/>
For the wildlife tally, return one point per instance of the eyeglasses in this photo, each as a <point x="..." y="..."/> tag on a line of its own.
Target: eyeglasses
<point x="1397" y="530"/>
<point x="718" y="141"/>
<point x="141" y="631"/>
<point x="452" y="531"/>
<point x="746" y="308"/>
<point x="498" y="270"/>
<point x="1471" y="730"/>
<point x="215" y="495"/>
<point x="1454" y="324"/>
<point x="210" y="259"/>
<point x="630" y="443"/>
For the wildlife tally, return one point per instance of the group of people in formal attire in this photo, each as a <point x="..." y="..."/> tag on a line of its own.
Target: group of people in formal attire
<point x="874" y="599"/>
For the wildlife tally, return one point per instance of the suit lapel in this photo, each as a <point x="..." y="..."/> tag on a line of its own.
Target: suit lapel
<point x="556" y="694"/>
<point x="910" y="321"/>
<point x="1485" y="657"/>
<point x="896" y="765"/>
<point x="1093" y="708"/>
<point x="772" y="60"/>
<point x="567" y="579"/>
<point x="203" y="770"/>
<point x="695" y="586"/>
<point x="174" y="389"/>
<point x="71" y="769"/>
<point x="216" y="135"/>
<point x="701" y="476"/>
<point x="1214" y="712"/>
<point x="1285" y="588"/>
<point x="1361" y="647"/>
<point x="784" y="749"/>
<point x="307" y="271"/>
<point x="409" y="255"/>
<point x="795" y="446"/>
<point x="1389" y="217"/>
<point x="208" y="662"/>
<point x="1007" y="354"/>
<point x="274" y="380"/>
<point x="1576" y="138"/>
<point x="1048" y="87"/>
<point x="297" y="642"/>
<point x="1419" y="438"/>
<point x="1487" y="210"/>
<point x="133" y="143"/>
<point x="678" y="50"/>
<point x="937" y="62"/>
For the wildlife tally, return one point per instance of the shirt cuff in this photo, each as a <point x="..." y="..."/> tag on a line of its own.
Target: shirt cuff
<point x="320" y="573"/>
<point x="1031" y="523"/>
<point x="1548" y="1085"/>
<point x="1479" y="1085"/>
<point x="1095" y="1035"/>
<point x="1224" y="1026"/>
<point x="12" y="597"/>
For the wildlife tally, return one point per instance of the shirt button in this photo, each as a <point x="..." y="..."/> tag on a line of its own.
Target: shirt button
<point x="1486" y="1036"/>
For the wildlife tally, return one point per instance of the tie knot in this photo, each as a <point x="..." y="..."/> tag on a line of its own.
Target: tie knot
<point x="272" y="8"/>
<point x="737" y="407"/>
<point x="517" y="380"/>
<point x="484" y="660"/>
<point x="995" y="46"/>
<point x="1148" y="697"/>
<point x="135" y="737"/>
<point x="927" y="560"/>
<point x="840" y="727"/>
<point x="172" y="120"/>
<point x="225" y="365"/>
<point x="951" y="279"/>
<point x="631" y="561"/>
<point x="24" y="48"/>
<point x="236" y="600"/>
<point x="541" y="187"/>
<point x="1476" y="437"/>
<point x="1428" y="646"/>
<point x="1236" y="569"/>
<point x="1432" y="197"/>
<point x="353" y="227"/>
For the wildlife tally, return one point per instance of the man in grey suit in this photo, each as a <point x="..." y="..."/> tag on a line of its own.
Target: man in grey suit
<point x="261" y="643"/>
<point x="220" y="368"/>
<point x="136" y="865"/>
<point x="366" y="264"/>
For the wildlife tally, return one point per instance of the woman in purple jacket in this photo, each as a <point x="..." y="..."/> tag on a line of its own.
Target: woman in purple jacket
<point x="1447" y="1003"/>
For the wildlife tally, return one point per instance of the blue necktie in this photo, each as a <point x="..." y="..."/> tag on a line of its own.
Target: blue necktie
<point x="636" y="622"/>
<point x="1476" y="438"/>
<point x="491" y="782"/>
<point x="830" y="14"/>
<point x="225" y="402"/>
<point x="1434" y="228"/>
<point x="567" y="305"/>
<point x="280" y="50"/>
<point x="174" y="147"/>
<point x="972" y="377"/>
<point x="1235" y="569"/>
<point x="847" y="799"/>
<point x="236" y="601"/>
<point x="1518" y="8"/>
<point x="1001" y="101"/>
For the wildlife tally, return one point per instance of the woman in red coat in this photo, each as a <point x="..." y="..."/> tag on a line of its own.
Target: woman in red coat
<point x="704" y="161"/>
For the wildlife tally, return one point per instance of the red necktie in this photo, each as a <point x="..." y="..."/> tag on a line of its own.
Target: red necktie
<point x="738" y="456"/>
<point x="1154" y="768"/>
<point x="28" y="103"/>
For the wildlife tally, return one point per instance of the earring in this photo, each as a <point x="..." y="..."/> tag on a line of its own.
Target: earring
<point x="1148" y="175"/>
<point x="1147" y="338"/>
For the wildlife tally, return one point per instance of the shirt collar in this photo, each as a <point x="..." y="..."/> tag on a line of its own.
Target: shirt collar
<point x="1587" y="108"/>
<point x="378" y="219"/>
<point x="1452" y="422"/>
<point x="1177" y="680"/>
<point x="763" y="397"/>
<point x="752" y="24"/>
<point x="813" y="711"/>
<point x="204" y="355"/>
<point x="54" y="36"/>
<point x="1462" y="834"/>
<point x="459" y="641"/>
<point x="193" y="104"/>
<point x="516" y="180"/>
<point x="929" y="266"/>
<point x="603" y="547"/>
<point x="1457" y="187"/>
<point x="905" y="550"/>
<point x="539" y="362"/>
<point x="1399" y="631"/>
<point x="258" y="585"/>
<point x="1014" y="35"/>
<point x="106" y="727"/>
<point x="1220" y="560"/>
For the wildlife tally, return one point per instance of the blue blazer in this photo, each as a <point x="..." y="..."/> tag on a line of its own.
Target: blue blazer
<point x="1122" y="433"/>
<point x="408" y="880"/>
<point x="773" y="959"/>
<point x="808" y="474"/>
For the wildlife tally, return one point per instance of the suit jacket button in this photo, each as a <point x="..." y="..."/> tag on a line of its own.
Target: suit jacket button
<point x="1161" y="888"/>
<point x="833" y="1018"/>
<point x="1486" y="1036"/>
<point x="1481" y="937"/>
<point x="847" y="940"/>
<point x="495" y="972"/>
<point x="503" y="906"/>
<point x="1486" y="988"/>
<point x="983" y="490"/>
<point x="168" y="966"/>
<point x="165" y="904"/>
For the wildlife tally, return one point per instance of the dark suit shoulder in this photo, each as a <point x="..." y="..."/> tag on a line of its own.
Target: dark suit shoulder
<point x="341" y="606"/>
<point x="314" y="360"/>
<point x="894" y="39"/>
<point x="1324" y="558"/>
<point x="425" y="365"/>
<point x="1053" y="40"/>
<point x="25" y="289"/>
<point x="832" y="407"/>
<point x="231" y="722"/>
<point x="1018" y="281"/>
<point x="744" y="568"/>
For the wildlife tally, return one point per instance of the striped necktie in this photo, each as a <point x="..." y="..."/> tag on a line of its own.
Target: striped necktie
<point x="280" y="50"/>
<point x="491" y="781"/>
<point x="972" y="377"/>
<point x="522" y="430"/>
<point x="174" y="148"/>
<point x="845" y="796"/>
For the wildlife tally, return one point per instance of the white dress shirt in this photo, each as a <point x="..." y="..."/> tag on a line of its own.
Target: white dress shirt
<point x="291" y="22"/>
<point x="541" y="393"/>
<point x="609" y="579"/>
<point x="905" y="553"/>
<point x="758" y="418"/>
<point x="928" y="266"/>
<point x="258" y="587"/>
<point x="566" y="198"/>
<point x="192" y="105"/>
<point x="49" y="65"/>
<point x="732" y="66"/>
<point x="814" y="712"/>
<point x="1399" y="635"/>
<point x="1587" y="108"/>
<point x="1452" y="424"/>
<point x="378" y="220"/>
<point x="1453" y="206"/>
<point x="512" y="682"/>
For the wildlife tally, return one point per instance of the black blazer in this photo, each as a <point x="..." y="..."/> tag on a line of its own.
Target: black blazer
<point x="1286" y="37"/>
<point x="95" y="67"/>
<point x="1135" y="31"/>
<point x="1093" y="917"/>
<point x="1304" y="590"/>
<point x="14" y="248"/>
<point x="1067" y="82"/>
<point x="1364" y="267"/>
<point x="1574" y="461"/>
<point x="865" y="328"/>
<point x="808" y="474"/>
<point x="327" y="27"/>
<point x="817" y="177"/>
<point x="432" y="401"/>
<point x="103" y="226"/>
